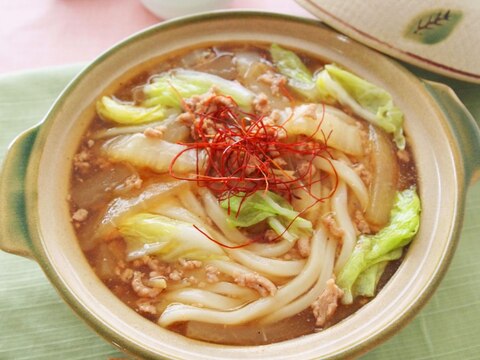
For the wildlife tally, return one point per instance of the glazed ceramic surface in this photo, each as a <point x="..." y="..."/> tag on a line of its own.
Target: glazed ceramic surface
<point x="169" y="9"/>
<point x="438" y="35"/>
<point x="36" y="172"/>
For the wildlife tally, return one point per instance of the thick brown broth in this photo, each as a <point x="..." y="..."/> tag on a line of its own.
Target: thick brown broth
<point x="96" y="182"/>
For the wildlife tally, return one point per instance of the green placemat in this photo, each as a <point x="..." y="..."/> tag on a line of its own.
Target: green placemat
<point x="36" y="324"/>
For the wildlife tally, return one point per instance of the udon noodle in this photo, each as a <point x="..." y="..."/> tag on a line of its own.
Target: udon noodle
<point x="244" y="194"/>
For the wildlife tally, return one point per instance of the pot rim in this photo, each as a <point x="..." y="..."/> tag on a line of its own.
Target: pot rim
<point x="129" y="345"/>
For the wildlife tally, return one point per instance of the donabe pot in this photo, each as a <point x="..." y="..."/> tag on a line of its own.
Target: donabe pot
<point x="34" y="184"/>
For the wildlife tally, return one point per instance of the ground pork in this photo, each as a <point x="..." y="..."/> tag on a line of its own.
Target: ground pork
<point x="141" y="289"/>
<point x="256" y="282"/>
<point x="175" y="275"/>
<point x="126" y="275"/>
<point x="186" y="118"/>
<point x="310" y="111"/>
<point x="363" y="173"/>
<point x="271" y="236"/>
<point x="81" y="161"/>
<point x="157" y="281"/>
<point x="153" y="132"/>
<point x="210" y="102"/>
<point x="325" y="305"/>
<point x="360" y="223"/>
<point x="85" y="160"/>
<point x="403" y="156"/>
<point x="305" y="168"/>
<point x="209" y="126"/>
<point x="303" y="246"/>
<point x="331" y="224"/>
<point x="212" y="273"/>
<point x="271" y="120"/>
<point x="191" y="280"/>
<point x="153" y="264"/>
<point x="275" y="81"/>
<point x="274" y="153"/>
<point x="190" y="264"/>
<point x="80" y="215"/>
<point x="261" y="104"/>
<point x="132" y="182"/>
<point x="279" y="161"/>
<point x="200" y="105"/>
<point x="146" y="307"/>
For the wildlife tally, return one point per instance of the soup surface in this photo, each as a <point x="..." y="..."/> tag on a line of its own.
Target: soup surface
<point x="244" y="194"/>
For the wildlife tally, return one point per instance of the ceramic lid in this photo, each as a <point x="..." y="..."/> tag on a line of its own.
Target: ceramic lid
<point x="438" y="35"/>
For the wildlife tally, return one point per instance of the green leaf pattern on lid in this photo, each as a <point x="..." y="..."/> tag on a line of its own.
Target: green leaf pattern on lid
<point x="433" y="26"/>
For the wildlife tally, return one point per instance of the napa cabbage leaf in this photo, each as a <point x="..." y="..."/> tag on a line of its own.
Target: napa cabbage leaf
<point x="122" y="113"/>
<point x="300" y="78"/>
<point x="153" y="153"/>
<point x="260" y="206"/>
<point x="166" y="238"/>
<point x="367" y="100"/>
<point x="165" y="94"/>
<point x="383" y="246"/>
<point x="169" y="89"/>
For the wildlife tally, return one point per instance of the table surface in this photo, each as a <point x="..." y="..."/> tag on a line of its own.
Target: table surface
<point x="42" y="33"/>
<point x="34" y="322"/>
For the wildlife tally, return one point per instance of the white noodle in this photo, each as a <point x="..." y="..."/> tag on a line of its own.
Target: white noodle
<point x="264" y="265"/>
<point x="258" y="263"/>
<point x="303" y="200"/>
<point x="326" y="189"/>
<point x="232" y="268"/>
<point x="217" y="214"/>
<point x="340" y="210"/>
<point x="204" y="298"/>
<point x="304" y="301"/>
<point x="172" y="209"/>
<point x="346" y="174"/>
<point x="276" y="249"/>
<point x="232" y="290"/>
<point x="267" y="266"/>
<point x="317" y="192"/>
<point x="190" y="201"/>
<point x="258" y="308"/>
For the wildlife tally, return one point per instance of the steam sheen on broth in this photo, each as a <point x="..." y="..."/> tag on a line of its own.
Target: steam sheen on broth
<point x="244" y="194"/>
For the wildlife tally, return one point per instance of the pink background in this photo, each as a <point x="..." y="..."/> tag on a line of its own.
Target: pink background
<point x="40" y="33"/>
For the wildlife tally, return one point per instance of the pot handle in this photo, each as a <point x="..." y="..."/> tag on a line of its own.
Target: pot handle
<point x="464" y="127"/>
<point x="14" y="234"/>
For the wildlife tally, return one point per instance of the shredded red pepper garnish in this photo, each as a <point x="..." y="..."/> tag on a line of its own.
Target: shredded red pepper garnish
<point x="239" y="153"/>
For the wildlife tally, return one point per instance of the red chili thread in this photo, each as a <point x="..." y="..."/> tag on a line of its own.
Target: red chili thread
<point x="238" y="156"/>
